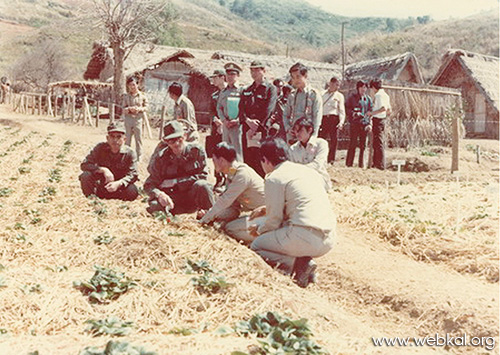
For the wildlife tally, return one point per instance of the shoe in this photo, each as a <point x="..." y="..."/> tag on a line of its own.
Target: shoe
<point x="304" y="269"/>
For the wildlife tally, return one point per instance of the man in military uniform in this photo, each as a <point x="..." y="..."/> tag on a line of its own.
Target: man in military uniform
<point x="134" y="110"/>
<point x="109" y="171"/>
<point x="184" y="110"/>
<point x="256" y="107"/>
<point x="218" y="79"/>
<point x="178" y="178"/>
<point x="227" y="109"/>
<point x="304" y="101"/>
<point x="244" y="192"/>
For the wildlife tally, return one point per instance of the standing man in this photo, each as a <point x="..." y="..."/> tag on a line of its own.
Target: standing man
<point x="134" y="110"/>
<point x="309" y="150"/>
<point x="358" y="105"/>
<point x="178" y="176"/>
<point x="218" y="80"/>
<point x="109" y="171"/>
<point x="228" y="109"/>
<point x="304" y="101"/>
<point x="300" y="223"/>
<point x="256" y="107"/>
<point x="184" y="110"/>
<point x="244" y="192"/>
<point x="381" y="108"/>
<point x="333" y="116"/>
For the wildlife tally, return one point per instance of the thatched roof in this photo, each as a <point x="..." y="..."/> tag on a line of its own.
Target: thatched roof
<point x="388" y="68"/>
<point x="482" y="69"/>
<point x="72" y="84"/>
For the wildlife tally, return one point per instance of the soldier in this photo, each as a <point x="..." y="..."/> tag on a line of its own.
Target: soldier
<point x="178" y="179"/>
<point x="300" y="223"/>
<point x="227" y="109"/>
<point x="256" y="107"/>
<point x="134" y="110"/>
<point x="218" y="80"/>
<point x="303" y="101"/>
<point x="109" y="171"/>
<point x="309" y="150"/>
<point x="184" y="110"/>
<point x="244" y="192"/>
<point x="333" y="116"/>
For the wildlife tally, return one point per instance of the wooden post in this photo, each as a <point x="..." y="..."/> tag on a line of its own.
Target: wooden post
<point x="33" y="104"/>
<point x="84" y="108"/>
<point x="455" y="143"/>
<point x="98" y="105"/>
<point x="163" y="112"/>
<point x="87" y="112"/>
<point x="39" y="105"/>
<point x="111" y="112"/>
<point x="478" y="153"/>
<point x="73" y="108"/>
<point x="148" y="126"/>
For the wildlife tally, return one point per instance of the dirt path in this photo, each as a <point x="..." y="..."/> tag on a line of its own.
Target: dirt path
<point x="390" y="293"/>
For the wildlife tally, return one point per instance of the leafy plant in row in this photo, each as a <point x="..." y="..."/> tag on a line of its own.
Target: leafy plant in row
<point x="106" y="285"/>
<point x="109" y="326"/>
<point x="210" y="279"/>
<point x="117" y="348"/>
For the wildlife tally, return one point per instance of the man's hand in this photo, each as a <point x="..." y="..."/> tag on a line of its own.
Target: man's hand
<point x="253" y="230"/>
<point x="113" y="186"/>
<point x="108" y="175"/>
<point x="168" y="183"/>
<point x="368" y="128"/>
<point x="217" y="121"/>
<point x="200" y="214"/>
<point x="165" y="200"/>
<point x="252" y="124"/>
<point x="258" y="212"/>
<point x="132" y="110"/>
<point x="340" y="125"/>
<point x="231" y="123"/>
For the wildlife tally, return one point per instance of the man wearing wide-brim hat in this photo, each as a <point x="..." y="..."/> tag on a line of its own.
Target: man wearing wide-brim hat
<point x="109" y="171"/>
<point x="228" y="109"/>
<point x="257" y="104"/>
<point x="178" y="175"/>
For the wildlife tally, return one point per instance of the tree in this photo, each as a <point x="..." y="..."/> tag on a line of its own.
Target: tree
<point x="128" y="23"/>
<point x="44" y="64"/>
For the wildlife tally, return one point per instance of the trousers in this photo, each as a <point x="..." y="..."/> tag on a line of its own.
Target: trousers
<point x="93" y="184"/>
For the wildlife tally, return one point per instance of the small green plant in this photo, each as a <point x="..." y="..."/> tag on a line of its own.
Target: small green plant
<point x="183" y="331"/>
<point x="106" y="285"/>
<point x="109" y="326"/>
<point x="428" y="153"/>
<point x="32" y="288"/>
<point x="99" y="206"/>
<point x="210" y="279"/>
<point x="104" y="238"/>
<point x="200" y="266"/>
<point x="57" y="268"/>
<point x="55" y="175"/>
<point x="117" y="348"/>
<point x="28" y="159"/>
<point x="279" y="334"/>
<point x="3" y="282"/>
<point x="48" y="191"/>
<point x="5" y="191"/>
<point x="24" y="170"/>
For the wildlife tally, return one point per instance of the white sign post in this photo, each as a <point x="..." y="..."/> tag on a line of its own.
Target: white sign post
<point x="399" y="164"/>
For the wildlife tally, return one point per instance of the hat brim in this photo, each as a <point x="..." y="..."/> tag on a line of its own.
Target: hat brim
<point x="117" y="131"/>
<point x="173" y="135"/>
<point x="230" y="71"/>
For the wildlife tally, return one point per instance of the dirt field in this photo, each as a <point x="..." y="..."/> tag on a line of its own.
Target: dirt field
<point x="413" y="260"/>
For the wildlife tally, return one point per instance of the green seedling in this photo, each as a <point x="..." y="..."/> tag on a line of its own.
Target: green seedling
<point x="117" y="348"/>
<point x="200" y="266"/>
<point x="32" y="288"/>
<point x="55" y="175"/>
<point x="210" y="279"/>
<point x="109" y="326"/>
<point x="24" y="170"/>
<point x="183" y="331"/>
<point x="106" y="285"/>
<point x="104" y="238"/>
<point x="5" y="191"/>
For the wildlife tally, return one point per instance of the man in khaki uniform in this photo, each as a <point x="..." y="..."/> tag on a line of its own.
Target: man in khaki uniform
<point x="184" y="110"/>
<point x="244" y="192"/>
<point x="134" y="109"/>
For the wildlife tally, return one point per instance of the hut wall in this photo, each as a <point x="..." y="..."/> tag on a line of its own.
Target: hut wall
<point x="408" y="74"/>
<point x="200" y="93"/>
<point x="492" y="126"/>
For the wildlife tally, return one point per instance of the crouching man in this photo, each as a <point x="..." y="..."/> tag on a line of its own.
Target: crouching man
<point x="244" y="192"/>
<point x="109" y="171"/>
<point x="300" y="223"/>
<point x="178" y="175"/>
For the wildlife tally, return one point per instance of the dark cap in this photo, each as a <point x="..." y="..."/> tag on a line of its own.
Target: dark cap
<point x="297" y="66"/>
<point x="131" y="79"/>
<point x="173" y="129"/>
<point x="116" y="126"/>
<point x="257" y="64"/>
<point x="218" y="72"/>
<point x="232" y="67"/>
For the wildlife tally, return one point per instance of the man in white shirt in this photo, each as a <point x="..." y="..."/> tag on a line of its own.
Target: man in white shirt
<point x="300" y="223"/>
<point x="381" y="109"/>
<point x="184" y="111"/>
<point x="333" y="116"/>
<point x="309" y="150"/>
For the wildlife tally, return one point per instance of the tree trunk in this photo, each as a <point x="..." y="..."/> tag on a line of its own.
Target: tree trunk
<point x="119" y="75"/>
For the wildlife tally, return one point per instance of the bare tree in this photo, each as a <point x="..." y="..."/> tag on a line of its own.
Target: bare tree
<point x="128" y="23"/>
<point x="45" y="63"/>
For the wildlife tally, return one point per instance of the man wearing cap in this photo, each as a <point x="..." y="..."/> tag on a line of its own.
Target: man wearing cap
<point x="109" y="171"/>
<point x="184" y="110"/>
<point x="333" y="116"/>
<point x="134" y="109"/>
<point x="303" y="101"/>
<point x="178" y="175"/>
<point x="227" y="109"/>
<point x="218" y="79"/>
<point x="257" y="105"/>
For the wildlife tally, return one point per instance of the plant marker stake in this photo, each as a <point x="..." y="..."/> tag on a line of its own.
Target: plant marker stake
<point x="478" y="153"/>
<point x="399" y="163"/>
<point x="457" y="175"/>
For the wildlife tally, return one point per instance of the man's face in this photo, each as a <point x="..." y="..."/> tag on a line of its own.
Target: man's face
<point x="298" y="79"/>
<point x="257" y="73"/>
<point x="232" y="77"/>
<point x="218" y="80"/>
<point x="132" y="87"/>
<point x="333" y="85"/>
<point x="302" y="133"/>
<point x="176" y="144"/>
<point x="115" y="141"/>
<point x="362" y="90"/>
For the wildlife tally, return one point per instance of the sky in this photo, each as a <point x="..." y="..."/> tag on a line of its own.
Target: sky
<point x="437" y="9"/>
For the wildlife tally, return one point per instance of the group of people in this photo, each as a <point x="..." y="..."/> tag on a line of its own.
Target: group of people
<point x="287" y="217"/>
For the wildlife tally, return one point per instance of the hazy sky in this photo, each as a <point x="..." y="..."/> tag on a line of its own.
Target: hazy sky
<point x="437" y="9"/>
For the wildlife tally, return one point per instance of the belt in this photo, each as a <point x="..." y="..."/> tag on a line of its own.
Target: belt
<point x="328" y="116"/>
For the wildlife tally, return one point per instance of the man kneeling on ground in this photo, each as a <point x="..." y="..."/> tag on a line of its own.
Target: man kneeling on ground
<point x="109" y="171"/>
<point x="244" y="192"/>
<point x="300" y="223"/>
<point x="178" y="175"/>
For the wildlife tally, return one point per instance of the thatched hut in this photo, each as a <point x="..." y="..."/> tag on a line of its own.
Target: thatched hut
<point x="477" y="75"/>
<point x="401" y="68"/>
